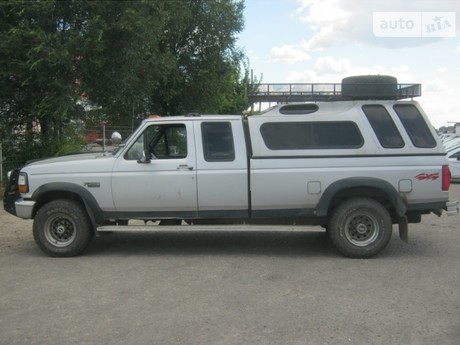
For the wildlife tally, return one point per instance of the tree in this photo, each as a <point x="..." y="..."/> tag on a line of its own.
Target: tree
<point x="200" y="54"/>
<point x="128" y="58"/>
<point x="37" y="76"/>
<point x="166" y="57"/>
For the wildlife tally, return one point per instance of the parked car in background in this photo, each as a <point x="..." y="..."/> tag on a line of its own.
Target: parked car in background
<point x="445" y="137"/>
<point x="454" y="163"/>
<point x="452" y="144"/>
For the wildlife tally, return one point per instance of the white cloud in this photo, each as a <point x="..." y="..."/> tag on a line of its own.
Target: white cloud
<point x="289" y="54"/>
<point x="343" y="22"/>
<point x="330" y="65"/>
<point x="322" y="12"/>
<point x="326" y="18"/>
<point x="435" y="86"/>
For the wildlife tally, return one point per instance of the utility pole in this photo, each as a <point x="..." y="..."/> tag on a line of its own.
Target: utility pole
<point x="103" y="135"/>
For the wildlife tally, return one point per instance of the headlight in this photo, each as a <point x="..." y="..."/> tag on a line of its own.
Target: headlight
<point x="8" y="174"/>
<point x="23" y="183"/>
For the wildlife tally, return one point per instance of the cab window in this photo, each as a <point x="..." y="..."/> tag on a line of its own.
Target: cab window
<point x="217" y="141"/>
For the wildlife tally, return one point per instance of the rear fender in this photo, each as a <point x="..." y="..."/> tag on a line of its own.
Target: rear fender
<point x="360" y="182"/>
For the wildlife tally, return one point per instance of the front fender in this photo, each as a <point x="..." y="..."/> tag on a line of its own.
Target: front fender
<point x="360" y="182"/>
<point x="91" y="205"/>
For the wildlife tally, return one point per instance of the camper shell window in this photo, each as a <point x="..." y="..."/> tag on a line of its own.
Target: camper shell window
<point x="311" y="135"/>
<point x="299" y="109"/>
<point x="383" y="126"/>
<point x="415" y="125"/>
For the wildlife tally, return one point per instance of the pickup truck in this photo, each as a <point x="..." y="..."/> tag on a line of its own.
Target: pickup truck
<point x="353" y="167"/>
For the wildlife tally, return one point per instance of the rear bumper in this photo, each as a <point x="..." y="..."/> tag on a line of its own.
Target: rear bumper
<point x="452" y="208"/>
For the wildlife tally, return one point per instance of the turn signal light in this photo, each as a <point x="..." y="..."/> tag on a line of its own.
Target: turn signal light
<point x="23" y="183"/>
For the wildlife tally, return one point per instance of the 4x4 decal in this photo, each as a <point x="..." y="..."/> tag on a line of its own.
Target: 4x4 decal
<point x="426" y="176"/>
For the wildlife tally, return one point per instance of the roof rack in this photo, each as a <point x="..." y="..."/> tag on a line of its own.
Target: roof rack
<point x="352" y="88"/>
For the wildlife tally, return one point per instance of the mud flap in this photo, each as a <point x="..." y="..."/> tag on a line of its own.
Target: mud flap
<point x="404" y="229"/>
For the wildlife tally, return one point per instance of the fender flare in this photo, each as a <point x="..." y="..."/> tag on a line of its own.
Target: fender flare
<point x="95" y="213"/>
<point x="354" y="182"/>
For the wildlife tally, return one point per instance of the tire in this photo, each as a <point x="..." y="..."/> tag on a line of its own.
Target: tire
<point x="360" y="228"/>
<point x="62" y="228"/>
<point x="370" y="87"/>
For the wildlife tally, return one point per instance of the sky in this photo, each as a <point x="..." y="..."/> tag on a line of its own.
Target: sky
<point x="324" y="41"/>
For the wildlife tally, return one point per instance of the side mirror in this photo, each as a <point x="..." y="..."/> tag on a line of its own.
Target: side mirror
<point x="116" y="138"/>
<point x="145" y="158"/>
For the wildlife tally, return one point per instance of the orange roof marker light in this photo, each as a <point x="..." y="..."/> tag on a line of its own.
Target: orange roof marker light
<point x="153" y="116"/>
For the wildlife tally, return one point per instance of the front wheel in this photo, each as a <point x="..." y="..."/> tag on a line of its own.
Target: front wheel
<point x="62" y="228"/>
<point x="360" y="227"/>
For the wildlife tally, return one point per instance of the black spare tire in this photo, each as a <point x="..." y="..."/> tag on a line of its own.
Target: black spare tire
<point x="370" y="87"/>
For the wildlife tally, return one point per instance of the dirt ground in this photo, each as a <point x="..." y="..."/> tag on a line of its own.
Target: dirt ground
<point x="13" y="231"/>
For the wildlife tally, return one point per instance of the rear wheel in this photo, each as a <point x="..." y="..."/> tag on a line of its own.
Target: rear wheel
<point x="360" y="227"/>
<point x="62" y="228"/>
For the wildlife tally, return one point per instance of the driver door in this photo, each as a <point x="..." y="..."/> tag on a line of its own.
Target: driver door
<point x="156" y="176"/>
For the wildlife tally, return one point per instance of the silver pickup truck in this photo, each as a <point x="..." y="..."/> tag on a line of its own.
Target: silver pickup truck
<point x="354" y="167"/>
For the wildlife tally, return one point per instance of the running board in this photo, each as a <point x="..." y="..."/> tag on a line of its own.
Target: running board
<point x="230" y="227"/>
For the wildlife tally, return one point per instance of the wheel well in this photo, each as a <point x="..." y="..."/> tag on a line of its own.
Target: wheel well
<point x="69" y="191"/>
<point x="54" y="195"/>
<point x="364" y="192"/>
<point x="365" y="187"/>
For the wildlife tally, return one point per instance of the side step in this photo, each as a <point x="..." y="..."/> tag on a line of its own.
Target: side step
<point x="202" y="228"/>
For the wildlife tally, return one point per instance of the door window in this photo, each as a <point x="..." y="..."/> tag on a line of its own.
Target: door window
<point x="161" y="142"/>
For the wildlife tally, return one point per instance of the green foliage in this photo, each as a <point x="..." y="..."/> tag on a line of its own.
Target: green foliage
<point x="128" y="58"/>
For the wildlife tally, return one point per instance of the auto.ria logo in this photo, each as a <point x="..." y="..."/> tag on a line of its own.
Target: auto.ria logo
<point x="414" y="24"/>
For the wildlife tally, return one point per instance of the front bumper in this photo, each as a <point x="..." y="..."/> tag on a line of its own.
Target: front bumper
<point x="11" y="193"/>
<point x="12" y="201"/>
<point x="452" y="208"/>
<point x="24" y="208"/>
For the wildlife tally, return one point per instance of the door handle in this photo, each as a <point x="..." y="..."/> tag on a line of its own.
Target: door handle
<point x="184" y="167"/>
